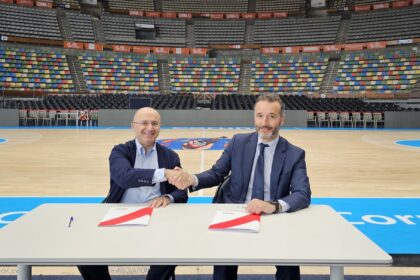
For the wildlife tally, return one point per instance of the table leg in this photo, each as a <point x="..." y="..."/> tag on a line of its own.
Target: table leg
<point x="24" y="272"/>
<point x="336" y="273"/>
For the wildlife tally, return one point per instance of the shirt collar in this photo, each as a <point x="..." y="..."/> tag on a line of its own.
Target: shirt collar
<point x="271" y="144"/>
<point x="142" y="151"/>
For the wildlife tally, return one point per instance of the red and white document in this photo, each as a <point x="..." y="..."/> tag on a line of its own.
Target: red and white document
<point x="236" y="220"/>
<point x="122" y="216"/>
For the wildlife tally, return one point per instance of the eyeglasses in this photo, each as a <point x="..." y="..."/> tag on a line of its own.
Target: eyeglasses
<point x="147" y="123"/>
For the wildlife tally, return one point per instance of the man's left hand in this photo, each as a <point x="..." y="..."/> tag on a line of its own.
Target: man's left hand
<point x="161" y="201"/>
<point x="258" y="206"/>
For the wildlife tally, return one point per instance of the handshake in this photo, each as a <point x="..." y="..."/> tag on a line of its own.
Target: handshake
<point x="179" y="178"/>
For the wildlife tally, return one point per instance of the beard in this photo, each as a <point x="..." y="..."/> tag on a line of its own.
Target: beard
<point x="270" y="132"/>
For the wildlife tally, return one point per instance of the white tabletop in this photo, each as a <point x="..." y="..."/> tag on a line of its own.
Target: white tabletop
<point x="179" y="234"/>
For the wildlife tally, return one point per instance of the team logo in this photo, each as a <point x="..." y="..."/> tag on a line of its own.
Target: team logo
<point x="219" y="143"/>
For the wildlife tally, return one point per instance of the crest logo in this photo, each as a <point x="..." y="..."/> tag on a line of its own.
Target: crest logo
<point x="219" y="143"/>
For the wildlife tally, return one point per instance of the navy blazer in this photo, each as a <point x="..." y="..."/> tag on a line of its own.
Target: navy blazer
<point x="124" y="175"/>
<point x="289" y="180"/>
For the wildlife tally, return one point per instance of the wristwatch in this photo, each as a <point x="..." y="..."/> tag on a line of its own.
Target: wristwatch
<point x="277" y="205"/>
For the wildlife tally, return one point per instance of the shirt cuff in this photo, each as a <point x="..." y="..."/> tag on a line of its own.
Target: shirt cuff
<point x="284" y="205"/>
<point x="159" y="176"/>
<point x="170" y="197"/>
<point x="194" y="184"/>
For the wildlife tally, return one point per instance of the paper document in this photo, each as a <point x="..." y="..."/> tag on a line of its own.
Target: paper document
<point x="236" y="220"/>
<point x="121" y="216"/>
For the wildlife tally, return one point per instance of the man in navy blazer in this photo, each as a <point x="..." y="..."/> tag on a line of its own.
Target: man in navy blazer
<point x="278" y="183"/>
<point x="139" y="170"/>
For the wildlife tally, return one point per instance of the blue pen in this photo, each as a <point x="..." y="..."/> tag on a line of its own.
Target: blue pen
<point x="71" y="220"/>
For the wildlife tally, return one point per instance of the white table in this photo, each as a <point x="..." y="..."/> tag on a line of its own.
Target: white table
<point x="314" y="236"/>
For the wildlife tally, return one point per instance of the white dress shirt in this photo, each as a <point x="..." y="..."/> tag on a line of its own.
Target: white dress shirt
<point x="146" y="160"/>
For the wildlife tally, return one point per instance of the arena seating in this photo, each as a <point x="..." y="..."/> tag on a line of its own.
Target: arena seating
<point x="200" y="6"/>
<point x="119" y="74"/>
<point x="204" y="75"/>
<point x="296" y="31"/>
<point x="120" y="30"/>
<point x="369" y="2"/>
<point x="290" y="74"/>
<point x="383" y="72"/>
<point x="125" y="5"/>
<point x="280" y="5"/>
<point x="81" y="27"/>
<point x="34" y="71"/>
<point x="37" y="23"/>
<point x="112" y="78"/>
<point x="213" y="32"/>
<point x="386" y="24"/>
<point x="189" y="102"/>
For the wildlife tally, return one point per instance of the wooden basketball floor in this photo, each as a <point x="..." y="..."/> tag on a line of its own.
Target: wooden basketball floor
<point x="341" y="163"/>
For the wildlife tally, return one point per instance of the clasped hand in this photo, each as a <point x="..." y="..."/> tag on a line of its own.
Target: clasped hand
<point x="179" y="178"/>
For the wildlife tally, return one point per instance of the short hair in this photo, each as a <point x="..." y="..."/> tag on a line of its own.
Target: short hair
<point x="271" y="98"/>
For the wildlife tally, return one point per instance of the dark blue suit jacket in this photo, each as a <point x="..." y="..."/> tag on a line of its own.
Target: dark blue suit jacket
<point x="289" y="180"/>
<point x="124" y="175"/>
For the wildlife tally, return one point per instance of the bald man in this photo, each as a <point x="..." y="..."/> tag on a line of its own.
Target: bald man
<point x="139" y="170"/>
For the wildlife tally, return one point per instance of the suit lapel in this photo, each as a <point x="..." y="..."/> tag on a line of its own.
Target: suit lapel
<point x="162" y="163"/>
<point x="133" y="154"/>
<point x="277" y="167"/>
<point x="249" y="154"/>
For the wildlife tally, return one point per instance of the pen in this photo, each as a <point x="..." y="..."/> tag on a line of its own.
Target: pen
<point x="70" y="221"/>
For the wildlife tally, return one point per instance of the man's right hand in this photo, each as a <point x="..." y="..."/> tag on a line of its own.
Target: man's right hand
<point x="179" y="178"/>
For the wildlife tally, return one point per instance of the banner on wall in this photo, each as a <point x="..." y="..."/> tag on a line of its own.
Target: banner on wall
<point x="185" y="15"/>
<point x="135" y="13"/>
<point x="360" y="8"/>
<point x="400" y="4"/>
<point x="331" y="48"/>
<point x="248" y="15"/>
<point x="311" y="49"/>
<point x="290" y="50"/>
<point x="380" y="6"/>
<point x="160" y="50"/>
<point x="153" y="14"/>
<point x="200" y="51"/>
<point x="233" y="15"/>
<point x="354" y="47"/>
<point x="94" y="46"/>
<point x="279" y="14"/>
<point x="169" y="15"/>
<point x="44" y="4"/>
<point x="217" y="16"/>
<point x="28" y="3"/>
<point x="264" y="15"/>
<point x="141" y="50"/>
<point x="377" y="45"/>
<point x="405" y="41"/>
<point x="270" y="50"/>
<point x="180" y="50"/>
<point x="73" y="45"/>
<point x="121" y="48"/>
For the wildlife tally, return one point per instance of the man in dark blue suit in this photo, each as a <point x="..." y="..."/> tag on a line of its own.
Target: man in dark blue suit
<point x="139" y="171"/>
<point x="266" y="172"/>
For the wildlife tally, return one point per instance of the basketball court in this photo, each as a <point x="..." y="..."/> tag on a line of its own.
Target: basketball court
<point x="67" y="162"/>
